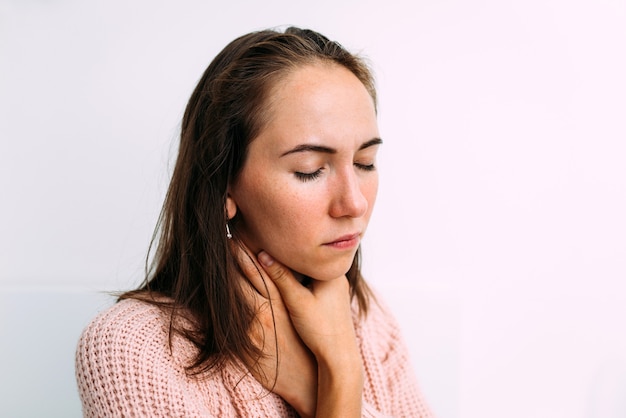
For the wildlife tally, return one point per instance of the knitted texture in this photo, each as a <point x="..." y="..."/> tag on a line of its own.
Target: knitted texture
<point x="125" y="368"/>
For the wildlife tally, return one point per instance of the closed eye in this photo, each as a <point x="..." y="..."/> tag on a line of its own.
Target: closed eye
<point x="308" y="176"/>
<point x="365" y="167"/>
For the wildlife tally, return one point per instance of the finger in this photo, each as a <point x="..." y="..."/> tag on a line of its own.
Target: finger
<point x="290" y="289"/>
<point x="252" y="271"/>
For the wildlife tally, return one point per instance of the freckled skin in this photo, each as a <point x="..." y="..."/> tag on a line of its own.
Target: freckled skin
<point x="295" y="219"/>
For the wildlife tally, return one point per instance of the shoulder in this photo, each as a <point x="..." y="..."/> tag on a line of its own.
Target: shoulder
<point x="125" y="312"/>
<point x="379" y="332"/>
<point x="124" y="356"/>
<point x="126" y="326"/>
<point x="380" y="320"/>
<point x="390" y="386"/>
<point x="130" y="331"/>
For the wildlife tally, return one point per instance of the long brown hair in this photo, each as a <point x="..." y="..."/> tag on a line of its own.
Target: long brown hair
<point x="192" y="264"/>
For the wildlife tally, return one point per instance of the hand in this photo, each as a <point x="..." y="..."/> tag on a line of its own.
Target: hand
<point x="287" y="367"/>
<point x="321" y="313"/>
<point x="322" y="317"/>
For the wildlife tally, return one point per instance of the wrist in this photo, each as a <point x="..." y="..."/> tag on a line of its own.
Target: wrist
<point x="340" y="389"/>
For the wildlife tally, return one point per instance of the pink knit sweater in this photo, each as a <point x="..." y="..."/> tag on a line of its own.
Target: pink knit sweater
<point x="125" y="368"/>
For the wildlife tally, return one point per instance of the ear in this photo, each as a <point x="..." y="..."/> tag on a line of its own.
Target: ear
<point x="231" y="207"/>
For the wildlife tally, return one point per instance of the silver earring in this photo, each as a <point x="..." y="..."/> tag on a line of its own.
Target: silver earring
<point x="228" y="234"/>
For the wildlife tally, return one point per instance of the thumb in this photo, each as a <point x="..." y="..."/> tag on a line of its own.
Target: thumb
<point x="288" y="286"/>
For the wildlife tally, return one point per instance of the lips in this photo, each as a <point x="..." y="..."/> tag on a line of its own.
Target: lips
<point x="345" y="242"/>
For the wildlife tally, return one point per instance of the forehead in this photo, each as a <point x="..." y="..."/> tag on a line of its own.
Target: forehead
<point x="305" y="83"/>
<point x="321" y="102"/>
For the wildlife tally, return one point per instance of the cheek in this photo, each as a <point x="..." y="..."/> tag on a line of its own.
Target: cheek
<point x="270" y="209"/>
<point x="287" y="213"/>
<point x="370" y="192"/>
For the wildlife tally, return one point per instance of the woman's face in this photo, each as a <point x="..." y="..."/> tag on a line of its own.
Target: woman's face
<point x="307" y="188"/>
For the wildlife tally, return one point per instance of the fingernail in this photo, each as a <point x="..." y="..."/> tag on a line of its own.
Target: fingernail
<point x="265" y="259"/>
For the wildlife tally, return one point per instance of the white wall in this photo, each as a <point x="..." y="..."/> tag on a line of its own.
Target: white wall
<point x="499" y="237"/>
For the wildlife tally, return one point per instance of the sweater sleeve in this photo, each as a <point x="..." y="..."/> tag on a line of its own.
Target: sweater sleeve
<point x="124" y="367"/>
<point x="391" y="386"/>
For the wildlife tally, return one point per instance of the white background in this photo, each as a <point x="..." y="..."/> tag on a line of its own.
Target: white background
<point x="499" y="238"/>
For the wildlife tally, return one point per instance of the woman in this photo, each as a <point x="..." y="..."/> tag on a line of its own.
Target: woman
<point x="255" y="304"/>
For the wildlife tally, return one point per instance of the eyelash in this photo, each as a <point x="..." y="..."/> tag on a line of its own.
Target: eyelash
<point x="365" y="167"/>
<point x="314" y="175"/>
<point x="308" y="176"/>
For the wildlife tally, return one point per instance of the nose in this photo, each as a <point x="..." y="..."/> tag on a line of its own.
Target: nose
<point x="348" y="197"/>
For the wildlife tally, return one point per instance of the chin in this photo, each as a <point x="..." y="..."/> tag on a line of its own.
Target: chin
<point x="327" y="273"/>
<point x="316" y="266"/>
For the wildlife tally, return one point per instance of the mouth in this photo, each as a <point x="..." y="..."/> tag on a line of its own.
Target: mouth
<point x="345" y="242"/>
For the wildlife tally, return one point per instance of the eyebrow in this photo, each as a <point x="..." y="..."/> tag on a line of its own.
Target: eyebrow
<point x="328" y="150"/>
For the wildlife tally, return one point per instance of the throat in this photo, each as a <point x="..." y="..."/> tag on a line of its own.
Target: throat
<point x="303" y="279"/>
